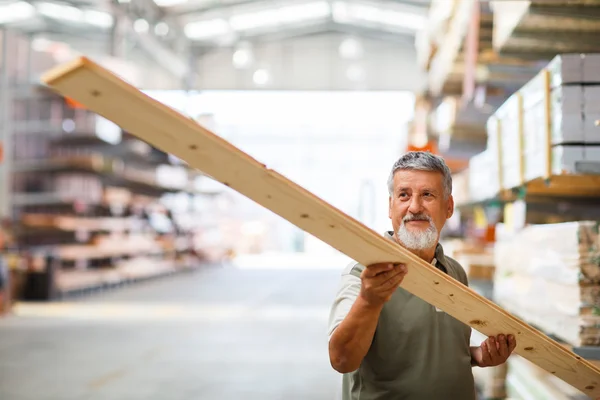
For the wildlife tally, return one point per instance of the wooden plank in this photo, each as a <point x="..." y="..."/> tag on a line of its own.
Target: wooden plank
<point x="566" y="185"/>
<point x="166" y="129"/>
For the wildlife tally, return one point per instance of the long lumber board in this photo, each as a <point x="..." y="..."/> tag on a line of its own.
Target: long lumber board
<point x="106" y="94"/>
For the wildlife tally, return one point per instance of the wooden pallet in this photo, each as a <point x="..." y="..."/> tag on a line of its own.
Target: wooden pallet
<point x="166" y="129"/>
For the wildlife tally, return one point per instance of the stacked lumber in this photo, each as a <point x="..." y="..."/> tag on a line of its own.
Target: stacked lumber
<point x="525" y="380"/>
<point x="549" y="275"/>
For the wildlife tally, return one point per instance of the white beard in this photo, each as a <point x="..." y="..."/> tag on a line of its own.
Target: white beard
<point x="421" y="240"/>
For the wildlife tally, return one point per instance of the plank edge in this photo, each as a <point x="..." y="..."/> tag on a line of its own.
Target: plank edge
<point x="53" y="76"/>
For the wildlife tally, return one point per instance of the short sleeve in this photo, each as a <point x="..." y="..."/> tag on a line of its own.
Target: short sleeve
<point x="347" y="293"/>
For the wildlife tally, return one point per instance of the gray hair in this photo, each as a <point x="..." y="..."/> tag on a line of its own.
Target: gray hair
<point x="422" y="161"/>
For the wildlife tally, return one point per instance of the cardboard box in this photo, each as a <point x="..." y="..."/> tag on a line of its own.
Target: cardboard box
<point x="567" y="114"/>
<point x="566" y="158"/>
<point x="591" y="68"/>
<point x="592" y="153"/>
<point x="566" y="69"/>
<point x="591" y="128"/>
<point x="591" y="99"/>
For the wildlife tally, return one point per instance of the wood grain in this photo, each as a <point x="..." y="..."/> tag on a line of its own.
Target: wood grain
<point x="166" y="129"/>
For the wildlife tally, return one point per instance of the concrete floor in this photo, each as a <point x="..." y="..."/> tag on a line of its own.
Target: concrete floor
<point x="217" y="334"/>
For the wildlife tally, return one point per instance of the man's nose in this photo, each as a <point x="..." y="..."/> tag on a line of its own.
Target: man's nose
<point x="416" y="206"/>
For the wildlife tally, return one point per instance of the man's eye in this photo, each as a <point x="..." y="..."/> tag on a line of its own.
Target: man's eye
<point x="401" y="195"/>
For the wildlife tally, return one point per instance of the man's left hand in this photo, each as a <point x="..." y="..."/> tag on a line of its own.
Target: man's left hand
<point x="493" y="351"/>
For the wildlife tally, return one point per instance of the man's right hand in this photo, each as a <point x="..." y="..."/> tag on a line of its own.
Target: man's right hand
<point x="380" y="281"/>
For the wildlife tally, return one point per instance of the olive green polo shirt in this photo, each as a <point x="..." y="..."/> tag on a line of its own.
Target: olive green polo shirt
<point x="417" y="353"/>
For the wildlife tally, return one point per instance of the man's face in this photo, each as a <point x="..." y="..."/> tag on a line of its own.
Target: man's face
<point x="418" y="208"/>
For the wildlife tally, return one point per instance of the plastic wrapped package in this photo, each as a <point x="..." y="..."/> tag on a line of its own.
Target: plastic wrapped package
<point x="549" y="275"/>
<point x="484" y="176"/>
<point x="567" y="104"/>
<point x="510" y="118"/>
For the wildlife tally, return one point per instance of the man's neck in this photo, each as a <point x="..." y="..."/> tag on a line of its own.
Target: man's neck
<point x="428" y="254"/>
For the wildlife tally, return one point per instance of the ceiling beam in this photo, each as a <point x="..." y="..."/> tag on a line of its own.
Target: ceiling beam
<point x="377" y="34"/>
<point x="217" y="7"/>
<point x="403" y="39"/>
<point x="190" y="11"/>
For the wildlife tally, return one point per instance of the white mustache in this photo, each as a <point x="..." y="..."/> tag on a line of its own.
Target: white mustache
<point x="416" y="217"/>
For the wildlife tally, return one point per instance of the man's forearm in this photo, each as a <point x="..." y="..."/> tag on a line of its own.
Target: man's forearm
<point x="351" y="340"/>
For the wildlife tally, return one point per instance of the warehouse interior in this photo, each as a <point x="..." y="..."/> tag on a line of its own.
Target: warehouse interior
<point x="127" y="274"/>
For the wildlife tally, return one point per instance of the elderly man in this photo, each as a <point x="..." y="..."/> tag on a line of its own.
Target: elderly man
<point x="388" y="343"/>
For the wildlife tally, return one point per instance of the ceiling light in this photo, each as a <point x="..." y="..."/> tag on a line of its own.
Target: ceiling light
<point x="242" y="58"/>
<point x="141" y="25"/>
<point x="15" y="12"/>
<point x="242" y="22"/>
<point x="344" y="12"/>
<point x="161" y="29"/>
<point x="58" y="11"/>
<point x="261" y="77"/>
<point x="206" y="29"/>
<point x="303" y="12"/>
<point x="169" y="3"/>
<point x="40" y="44"/>
<point x="282" y="15"/>
<point x="340" y="12"/>
<point x="98" y="18"/>
<point x="404" y="20"/>
<point x="68" y="13"/>
<point x="351" y="49"/>
<point x="366" y="12"/>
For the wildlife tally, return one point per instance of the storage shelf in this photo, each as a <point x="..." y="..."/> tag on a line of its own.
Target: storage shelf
<point x="110" y="169"/>
<point x="73" y="223"/>
<point x="33" y="199"/>
<point x="83" y="207"/>
<point x="545" y="30"/>
<point x="69" y="283"/>
<point x="556" y="188"/>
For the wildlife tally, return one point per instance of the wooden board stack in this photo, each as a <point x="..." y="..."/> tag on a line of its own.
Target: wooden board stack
<point x="549" y="275"/>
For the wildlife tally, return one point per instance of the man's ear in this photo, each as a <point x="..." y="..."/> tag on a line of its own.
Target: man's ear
<point x="450" y="207"/>
<point x="390" y="207"/>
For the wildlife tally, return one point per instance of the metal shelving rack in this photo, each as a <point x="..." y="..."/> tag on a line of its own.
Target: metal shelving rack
<point x="87" y="211"/>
